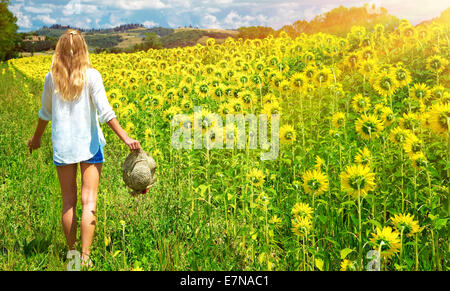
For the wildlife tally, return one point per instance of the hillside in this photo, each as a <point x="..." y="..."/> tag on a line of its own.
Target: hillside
<point x="125" y="37"/>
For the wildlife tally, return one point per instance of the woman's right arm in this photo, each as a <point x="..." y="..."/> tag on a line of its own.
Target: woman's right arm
<point x="131" y="143"/>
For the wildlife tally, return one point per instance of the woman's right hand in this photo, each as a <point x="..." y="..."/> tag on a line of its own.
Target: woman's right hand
<point x="133" y="144"/>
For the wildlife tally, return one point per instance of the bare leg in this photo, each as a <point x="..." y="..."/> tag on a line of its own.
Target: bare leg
<point x="68" y="180"/>
<point x="90" y="176"/>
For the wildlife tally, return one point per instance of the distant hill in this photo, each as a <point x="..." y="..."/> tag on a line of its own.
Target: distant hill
<point x="125" y="37"/>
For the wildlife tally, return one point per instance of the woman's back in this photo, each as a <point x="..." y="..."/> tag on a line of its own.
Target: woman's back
<point x="76" y="133"/>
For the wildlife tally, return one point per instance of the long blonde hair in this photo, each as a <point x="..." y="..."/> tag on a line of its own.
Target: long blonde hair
<point x="70" y="64"/>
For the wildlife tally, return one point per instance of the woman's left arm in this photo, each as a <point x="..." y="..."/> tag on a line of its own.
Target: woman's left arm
<point x="45" y="115"/>
<point x="35" y="142"/>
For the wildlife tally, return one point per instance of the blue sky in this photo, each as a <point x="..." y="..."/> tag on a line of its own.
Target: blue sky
<point x="33" y="14"/>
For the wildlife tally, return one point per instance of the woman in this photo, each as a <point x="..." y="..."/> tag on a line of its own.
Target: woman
<point x="74" y="99"/>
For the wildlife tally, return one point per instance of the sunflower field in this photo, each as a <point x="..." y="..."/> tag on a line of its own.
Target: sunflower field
<point x="361" y="181"/>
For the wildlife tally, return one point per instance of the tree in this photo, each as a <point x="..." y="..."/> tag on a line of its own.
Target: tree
<point x="9" y="38"/>
<point x="152" y="41"/>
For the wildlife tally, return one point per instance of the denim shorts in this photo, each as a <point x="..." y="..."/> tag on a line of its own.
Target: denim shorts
<point x="97" y="159"/>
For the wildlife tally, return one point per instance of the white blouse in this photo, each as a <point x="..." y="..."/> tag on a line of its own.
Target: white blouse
<point x="76" y="132"/>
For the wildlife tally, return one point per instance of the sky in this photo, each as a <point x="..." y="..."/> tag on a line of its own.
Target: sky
<point x="227" y="14"/>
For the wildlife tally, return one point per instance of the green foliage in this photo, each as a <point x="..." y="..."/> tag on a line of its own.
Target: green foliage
<point x="103" y="41"/>
<point x="8" y="32"/>
<point x="254" y="32"/>
<point x="151" y="41"/>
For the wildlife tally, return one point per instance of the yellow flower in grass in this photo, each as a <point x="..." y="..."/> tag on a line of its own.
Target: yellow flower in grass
<point x="287" y="134"/>
<point x="436" y="64"/>
<point x="347" y="265"/>
<point x="406" y="223"/>
<point x="275" y="220"/>
<point x="421" y="92"/>
<point x="319" y="163"/>
<point x="339" y="119"/>
<point x="419" y="160"/>
<point x="361" y="103"/>
<point x="302" y="210"/>
<point x="357" y="179"/>
<point x="398" y="135"/>
<point x="440" y="118"/>
<point x="315" y="182"/>
<point x="413" y="145"/>
<point x="256" y="177"/>
<point x="363" y="157"/>
<point x="386" y="240"/>
<point x="369" y="126"/>
<point x="301" y="226"/>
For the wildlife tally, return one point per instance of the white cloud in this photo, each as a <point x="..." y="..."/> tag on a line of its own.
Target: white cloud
<point x="210" y="21"/>
<point x="150" y="23"/>
<point x="38" y="10"/>
<point x="140" y="4"/>
<point x="23" y="21"/>
<point x="46" y="19"/>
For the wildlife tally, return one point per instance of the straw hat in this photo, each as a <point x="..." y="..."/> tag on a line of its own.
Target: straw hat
<point x="139" y="172"/>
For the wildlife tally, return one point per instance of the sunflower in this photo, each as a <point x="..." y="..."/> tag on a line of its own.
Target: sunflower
<point x="440" y="118"/>
<point x="410" y="121"/>
<point x="385" y="84"/>
<point x="301" y="226"/>
<point x="369" y="126"/>
<point x="302" y="210"/>
<point x="437" y="92"/>
<point x="170" y="113"/>
<point x="361" y="103"/>
<point x="398" y="135"/>
<point x="256" y="177"/>
<point x="236" y="106"/>
<point x="271" y="108"/>
<point x="157" y="102"/>
<point x="247" y="98"/>
<point x="298" y="82"/>
<point x="413" y="145"/>
<point x="419" y="160"/>
<point x="436" y="64"/>
<point x="287" y="134"/>
<point x="203" y="88"/>
<point x="319" y="163"/>
<point x="357" y="179"/>
<point x="402" y="76"/>
<point x="387" y="115"/>
<point x="367" y="67"/>
<point x="323" y="77"/>
<point x="406" y="223"/>
<point x="315" y="182"/>
<point x="387" y="241"/>
<point x="363" y="157"/>
<point x="421" y="92"/>
<point x="224" y="109"/>
<point x="339" y="119"/>
<point x="347" y="265"/>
